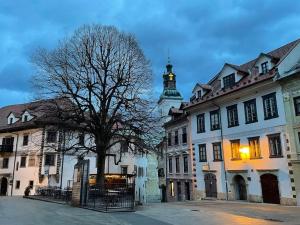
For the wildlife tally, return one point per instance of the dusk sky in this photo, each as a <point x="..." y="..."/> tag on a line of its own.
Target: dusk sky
<point x="200" y="35"/>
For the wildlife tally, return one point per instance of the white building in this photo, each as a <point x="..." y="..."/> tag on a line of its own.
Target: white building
<point x="29" y="155"/>
<point x="238" y="131"/>
<point x="179" y="154"/>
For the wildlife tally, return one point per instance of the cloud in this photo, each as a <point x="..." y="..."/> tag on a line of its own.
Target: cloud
<point x="200" y="35"/>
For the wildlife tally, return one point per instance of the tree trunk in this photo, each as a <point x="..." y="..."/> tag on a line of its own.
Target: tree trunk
<point x="100" y="178"/>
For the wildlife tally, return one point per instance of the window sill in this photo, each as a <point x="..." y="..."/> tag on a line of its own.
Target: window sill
<point x="203" y="161"/>
<point x="251" y="122"/>
<point x="276" y="156"/>
<point x="233" y="125"/>
<point x="269" y="118"/>
<point x="200" y="132"/>
<point x="236" y="159"/>
<point x="217" y="160"/>
<point x="255" y="158"/>
<point x="215" y="129"/>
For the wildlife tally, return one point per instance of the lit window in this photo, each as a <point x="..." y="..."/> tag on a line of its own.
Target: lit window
<point x="254" y="147"/>
<point x="172" y="188"/>
<point x="235" y="149"/>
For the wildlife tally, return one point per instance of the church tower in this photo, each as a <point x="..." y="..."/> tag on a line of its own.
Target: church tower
<point x="170" y="96"/>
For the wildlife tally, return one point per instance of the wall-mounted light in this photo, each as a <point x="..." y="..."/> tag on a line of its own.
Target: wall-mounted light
<point x="244" y="152"/>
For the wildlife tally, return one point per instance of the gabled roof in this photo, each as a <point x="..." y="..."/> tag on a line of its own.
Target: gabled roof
<point x="204" y="86"/>
<point x="278" y="54"/>
<point x="40" y="110"/>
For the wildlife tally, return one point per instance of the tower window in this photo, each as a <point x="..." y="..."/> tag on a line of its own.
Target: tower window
<point x="264" y="67"/>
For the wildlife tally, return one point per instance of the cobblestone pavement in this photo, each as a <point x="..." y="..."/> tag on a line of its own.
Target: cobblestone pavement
<point x="19" y="211"/>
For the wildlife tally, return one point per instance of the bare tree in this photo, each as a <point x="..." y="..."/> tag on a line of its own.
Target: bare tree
<point x="106" y="77"/>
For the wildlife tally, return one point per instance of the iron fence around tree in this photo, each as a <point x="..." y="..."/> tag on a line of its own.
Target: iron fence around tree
<point x="112" y="197"/>
<point x="53" y="194"/>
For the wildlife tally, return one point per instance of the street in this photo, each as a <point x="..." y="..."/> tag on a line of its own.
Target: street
<point x="19" y="211"/>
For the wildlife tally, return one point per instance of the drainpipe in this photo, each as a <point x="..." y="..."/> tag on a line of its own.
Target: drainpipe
<point x="222" y="145"/>
<point x="13" y="176"/>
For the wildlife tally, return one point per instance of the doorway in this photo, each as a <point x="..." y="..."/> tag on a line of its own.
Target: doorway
<point x="3" y="187"/>
<point x="269" y="188"/>
<point x="210" y="185"/>
<point x="178" y="191"/>
<point x="187" y="191"/>
<point x="240" y="188"/>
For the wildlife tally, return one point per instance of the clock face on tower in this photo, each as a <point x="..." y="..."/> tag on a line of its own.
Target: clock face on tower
<point x="171" y="76"/>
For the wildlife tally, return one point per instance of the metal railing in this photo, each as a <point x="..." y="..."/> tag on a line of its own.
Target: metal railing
<point x="112" y="197"/>
<point x="54" y="193"/>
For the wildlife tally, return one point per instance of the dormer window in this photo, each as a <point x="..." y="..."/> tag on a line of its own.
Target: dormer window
<point x="25" y="118"/>
<point x="229" y="81"/>
<point x="199" y="94"/>
<point x="264" y="68"/>
<point x="11" y="120"/>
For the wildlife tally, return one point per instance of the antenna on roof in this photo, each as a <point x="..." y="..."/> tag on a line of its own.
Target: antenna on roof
<point x="169" y="61"/>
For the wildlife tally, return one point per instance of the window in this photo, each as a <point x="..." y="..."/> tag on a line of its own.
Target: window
<point x="51" y="136"/>
<point x="31" y="183"/>
<point x="235" y="149"/>
<point x="297" y="105"/>
<point x="170" y="139"/>
<point x="199" y="94"/>
<point x="217" y="151"/>
<point x="5" y="163"/>
<point x="49" y="160"/>
<point x="23" y="161"/>
<point x="25" y="139"/>
<point x="228" y="81"/>
<point x="11" y="120"/>
<point x="275" y="145"/>
<point x="214" y="120"/>
<point x="18" y="184"/>
<point x="170" y="165"/>
<point x="250" y="111"/>
<point x="177" y="165"/>
<point x="201" y="123"/>
<point x="264" y="67"/>
<point x="17" y="166"/>
<point x="202" y="153"/>
<point x="31" y="161"/>
<point x="140" y="171"/>
<point x="232" y="116"/>
<point x="176" y="138"/>
<point x="270" y="106"/>
<point x="184" y="136"/>
<point x="81" y="139"/>
<point x="185" y="164"/>
<point x="124" y="169"/>
<point x="172" y="188"/>
<point x="254" y="147"/>
<point x="25" y="118"/>
<point x="124" y="146"/>
<point x="7" y="144"/>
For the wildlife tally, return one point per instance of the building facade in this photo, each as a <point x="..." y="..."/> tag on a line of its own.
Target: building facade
<point x="179" y="169"/>
<point x="30" y="155"/>
<point x="239" y="131"/>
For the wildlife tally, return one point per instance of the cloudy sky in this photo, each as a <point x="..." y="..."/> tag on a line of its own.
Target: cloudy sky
<point x="201" y="35"/>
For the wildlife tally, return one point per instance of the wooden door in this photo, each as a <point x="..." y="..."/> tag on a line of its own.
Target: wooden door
<point x="210" y="185"/>
<point x="269" y="187"/>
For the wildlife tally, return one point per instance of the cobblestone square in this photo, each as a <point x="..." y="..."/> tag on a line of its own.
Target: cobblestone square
<point x="19" y="211"/>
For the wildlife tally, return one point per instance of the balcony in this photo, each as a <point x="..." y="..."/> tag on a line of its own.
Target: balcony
<point x="6" y="148"/>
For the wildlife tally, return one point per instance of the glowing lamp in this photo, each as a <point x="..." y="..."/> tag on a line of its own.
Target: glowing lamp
<point x="244" y="152"/>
